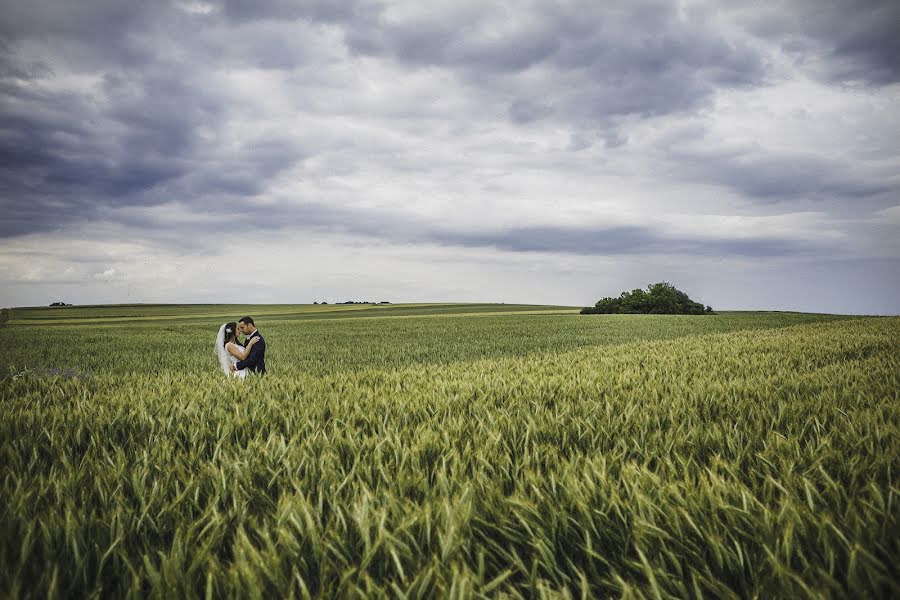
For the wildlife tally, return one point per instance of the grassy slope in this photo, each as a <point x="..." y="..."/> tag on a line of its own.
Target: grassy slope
<point x="749" y="463"/>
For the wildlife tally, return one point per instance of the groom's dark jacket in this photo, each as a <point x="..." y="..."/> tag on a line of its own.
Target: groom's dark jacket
<point x="256" y="361"/>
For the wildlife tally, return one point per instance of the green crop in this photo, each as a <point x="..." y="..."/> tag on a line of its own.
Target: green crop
<point x="320" y="340"/>
<point x="736" y="455"/>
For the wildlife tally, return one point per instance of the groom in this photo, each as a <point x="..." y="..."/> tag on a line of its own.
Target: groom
<point x="256" y="361"/>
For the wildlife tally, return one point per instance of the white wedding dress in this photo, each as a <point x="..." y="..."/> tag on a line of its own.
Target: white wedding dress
<point x="226" y="359"/>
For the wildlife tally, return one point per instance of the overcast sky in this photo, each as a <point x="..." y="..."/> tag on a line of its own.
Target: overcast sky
<point x="536" y="152"/>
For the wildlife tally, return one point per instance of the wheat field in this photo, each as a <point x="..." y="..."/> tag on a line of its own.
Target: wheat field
<point x="454" y="451"/>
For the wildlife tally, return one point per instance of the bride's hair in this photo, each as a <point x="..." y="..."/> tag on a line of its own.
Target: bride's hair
<point x="230" y="332"/>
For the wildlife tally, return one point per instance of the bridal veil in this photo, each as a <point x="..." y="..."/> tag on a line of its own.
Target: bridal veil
<point x="221" y="352"/>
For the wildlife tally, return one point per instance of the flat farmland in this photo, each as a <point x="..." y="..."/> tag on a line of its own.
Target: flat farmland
<point x="449" y="450"/>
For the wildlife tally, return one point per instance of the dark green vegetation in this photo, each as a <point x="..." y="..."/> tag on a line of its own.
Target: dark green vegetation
<point x="659" y="299"/>
<point x="734" y="455"/>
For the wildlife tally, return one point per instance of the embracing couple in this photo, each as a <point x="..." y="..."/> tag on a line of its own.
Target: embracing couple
<point x="236" y="358"/>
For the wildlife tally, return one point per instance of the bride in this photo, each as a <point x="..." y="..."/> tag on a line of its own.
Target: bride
<point x="230" y="351"/>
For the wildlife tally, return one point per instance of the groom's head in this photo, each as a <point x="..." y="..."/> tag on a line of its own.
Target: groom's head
<point x="246" y="326"/>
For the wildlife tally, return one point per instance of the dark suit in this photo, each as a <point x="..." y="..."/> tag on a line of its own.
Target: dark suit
<point x="256" y="361"/>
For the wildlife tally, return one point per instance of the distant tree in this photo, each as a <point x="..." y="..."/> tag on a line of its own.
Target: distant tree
<point x="604" y="306"/>
<point x="4" y="317"/>
<point x="59" y="304"/>
<point x="636" y="301"/>
<point x="660" y="299"/>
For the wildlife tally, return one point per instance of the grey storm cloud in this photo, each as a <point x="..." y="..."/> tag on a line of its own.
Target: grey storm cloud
<point x="780" y="176"/>
<point x="65" y="156"/>
<point x="597" y="63"/>
<point x="383" y="225"/>
<point x="622" y="241"/>
<point x="841" y="40"/>
<point x="153" y="125"/>
<point x="324" y="11"/>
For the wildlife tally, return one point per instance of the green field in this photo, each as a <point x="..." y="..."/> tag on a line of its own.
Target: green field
<point x="449" y="450"/>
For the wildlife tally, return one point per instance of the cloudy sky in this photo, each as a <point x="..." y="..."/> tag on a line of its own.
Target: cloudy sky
<point x="538" y="152"/>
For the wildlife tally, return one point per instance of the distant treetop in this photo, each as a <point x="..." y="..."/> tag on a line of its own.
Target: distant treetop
<point x="659" y="299"/>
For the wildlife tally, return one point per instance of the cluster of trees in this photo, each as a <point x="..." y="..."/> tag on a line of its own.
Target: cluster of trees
<point x="659" y="299"/>
<point x="59" y="304"/>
